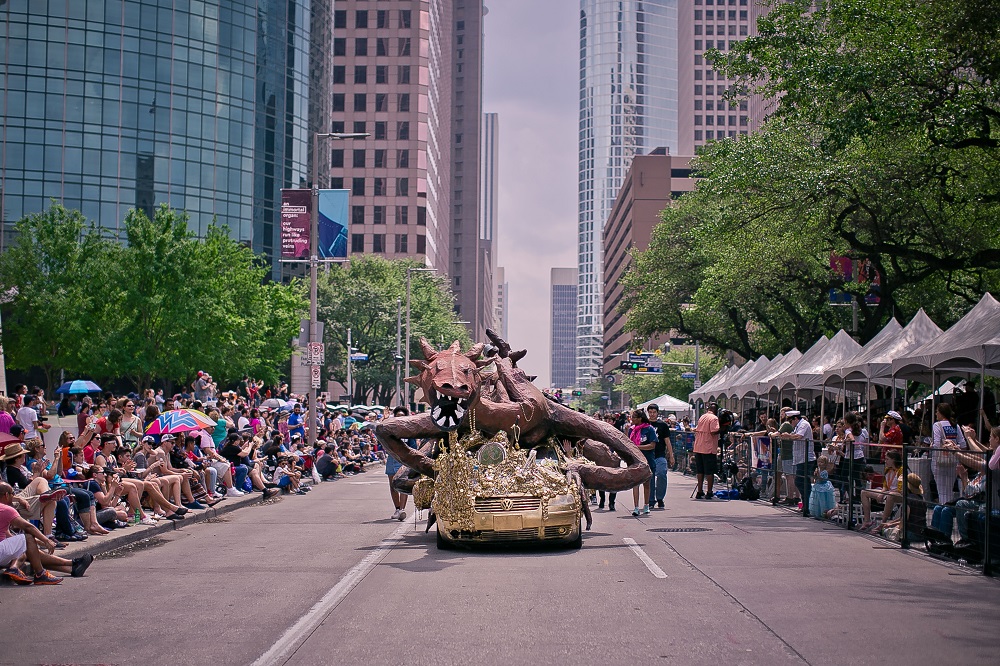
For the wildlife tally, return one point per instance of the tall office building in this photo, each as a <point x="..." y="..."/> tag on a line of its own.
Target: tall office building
<point x="501" y="316"/>
<point x="474" y="156"/>
<point x="651" y="183"/>
<point x="628" y="106"/>
<point x="392" y="79"/>
<point x="116" y="105"/>
<point x="562" y="358"/>
<point x="704" y="113"/>
<point x="410" y="74"/>
<point x="476" y="295"/>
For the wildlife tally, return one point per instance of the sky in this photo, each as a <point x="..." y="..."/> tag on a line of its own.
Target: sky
<point x="531" y="80"/>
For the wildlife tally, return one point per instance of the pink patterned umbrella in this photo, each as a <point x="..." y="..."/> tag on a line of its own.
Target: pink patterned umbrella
<point x="179" y="420"/>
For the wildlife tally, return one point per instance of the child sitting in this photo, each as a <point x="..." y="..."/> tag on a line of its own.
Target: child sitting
<point x="286" y="477"/>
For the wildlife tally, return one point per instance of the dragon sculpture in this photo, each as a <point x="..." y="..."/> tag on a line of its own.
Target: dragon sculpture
<point x="462" y="396"/>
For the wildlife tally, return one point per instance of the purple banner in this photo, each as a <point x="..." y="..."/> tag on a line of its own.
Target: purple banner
<point x="295" y="219"/>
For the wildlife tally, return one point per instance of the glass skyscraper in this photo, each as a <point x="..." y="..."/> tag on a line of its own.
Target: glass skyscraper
<point x="115" y="104"/>
<point x="628" y="106"/>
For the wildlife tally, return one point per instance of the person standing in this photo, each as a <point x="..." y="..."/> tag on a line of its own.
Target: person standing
<point x="802" y="455"/>
<point x="643" y="435"/>
<point x="392" y="466"/>
<point x="663" y="455"/>
<point x="706" y="447"/>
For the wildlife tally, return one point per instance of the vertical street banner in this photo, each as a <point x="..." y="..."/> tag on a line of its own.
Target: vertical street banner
<point x="843" y="269"/>
<point x="295" y="211"/>
<point x="333" y="223"/>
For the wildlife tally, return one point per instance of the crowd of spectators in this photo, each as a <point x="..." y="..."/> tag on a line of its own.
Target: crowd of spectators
<point x="109" y="474"/>
<point x="850" y="468"/>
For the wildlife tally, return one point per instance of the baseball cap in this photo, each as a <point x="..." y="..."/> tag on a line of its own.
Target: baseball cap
<point x="793" y="412"/>
<point x="167" y="438"/>
<point x="894" y="414"/>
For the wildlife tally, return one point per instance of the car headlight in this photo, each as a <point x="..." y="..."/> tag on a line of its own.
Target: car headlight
<point x="562" y="501"/>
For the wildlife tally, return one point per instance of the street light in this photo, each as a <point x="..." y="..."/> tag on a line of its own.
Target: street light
<point x="314" y="261"/>
<point x="409" y="272"/>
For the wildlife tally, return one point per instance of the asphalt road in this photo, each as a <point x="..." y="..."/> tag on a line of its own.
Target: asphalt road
<point x="328" y="578"/>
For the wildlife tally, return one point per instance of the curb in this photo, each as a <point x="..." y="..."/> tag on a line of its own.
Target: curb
<point x="136" y="533"/>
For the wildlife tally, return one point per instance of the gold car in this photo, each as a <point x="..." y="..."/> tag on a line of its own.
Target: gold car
<point x="518" y="518"/>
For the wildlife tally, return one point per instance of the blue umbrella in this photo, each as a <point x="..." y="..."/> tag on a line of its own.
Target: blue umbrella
<point x="79" y="386"/>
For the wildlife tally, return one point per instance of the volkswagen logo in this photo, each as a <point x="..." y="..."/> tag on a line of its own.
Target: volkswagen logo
<point x="507" y="503"/>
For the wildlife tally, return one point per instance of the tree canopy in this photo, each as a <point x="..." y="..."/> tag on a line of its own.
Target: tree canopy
<point x="882" y="146"/>
<point x="363" y="296"/>
<point x="159" y="305"/>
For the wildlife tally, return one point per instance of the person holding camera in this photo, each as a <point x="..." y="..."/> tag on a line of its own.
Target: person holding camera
<point x="706" y="448"/>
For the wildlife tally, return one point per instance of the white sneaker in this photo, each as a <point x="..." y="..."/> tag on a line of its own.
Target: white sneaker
<point x="232" y="492"/>
<point x="395" y="515"/>
<point x="402" y="516"/>
<point x="147" y="521"/>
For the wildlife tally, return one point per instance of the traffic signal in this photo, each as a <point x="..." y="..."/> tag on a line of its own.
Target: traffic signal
<point x="577" y="394"/>
<point x="634" y="365"/>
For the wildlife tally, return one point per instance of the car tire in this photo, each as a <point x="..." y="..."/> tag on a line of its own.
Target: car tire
<point x="577" y="543"/>
<point x="442" y="543"/>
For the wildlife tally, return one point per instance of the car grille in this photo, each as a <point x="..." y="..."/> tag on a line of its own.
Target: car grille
<point x="495" y="504"/>
<point x="510" y="535"/>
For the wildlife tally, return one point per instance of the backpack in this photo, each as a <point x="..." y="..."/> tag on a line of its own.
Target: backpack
<point x="748" y="491"/>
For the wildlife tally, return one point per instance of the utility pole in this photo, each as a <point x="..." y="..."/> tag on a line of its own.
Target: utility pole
<point x="350" y="390"/>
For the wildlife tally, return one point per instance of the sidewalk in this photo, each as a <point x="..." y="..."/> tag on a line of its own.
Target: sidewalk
<point x="126" y="536"/>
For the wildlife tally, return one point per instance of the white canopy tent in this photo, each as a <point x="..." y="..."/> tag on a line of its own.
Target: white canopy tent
<point x="741" y="388"/>
<point x="805" y="376"/>
<point x="670" y="405"/>
<point x="970" y="347"/>
<point x="761" y="385"/>
<point x="737" y="377"/>
<point x="706" y="391"/>
<point x="783" y="379"/>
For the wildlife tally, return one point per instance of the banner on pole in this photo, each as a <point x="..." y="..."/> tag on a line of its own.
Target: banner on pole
<point x="295" y="212"/>
<point x="333" y="223"/>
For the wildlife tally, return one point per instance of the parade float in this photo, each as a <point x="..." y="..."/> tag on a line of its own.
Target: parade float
<point x="499" y="461"/>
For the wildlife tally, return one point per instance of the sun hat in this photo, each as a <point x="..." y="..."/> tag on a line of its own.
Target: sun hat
<point x="11" y="451"/>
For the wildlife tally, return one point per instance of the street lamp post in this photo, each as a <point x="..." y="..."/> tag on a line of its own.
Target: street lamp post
<point x="350" y="390"/>
<point x="314" y="263"/>
<point x="409" y="272"/>
<point x="398" y="357"/>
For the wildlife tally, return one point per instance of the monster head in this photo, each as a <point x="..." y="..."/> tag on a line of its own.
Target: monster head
<point x="450" y="381"/>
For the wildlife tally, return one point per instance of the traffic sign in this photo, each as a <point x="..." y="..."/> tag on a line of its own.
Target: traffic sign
<point x="688" y="375"/>
<point x="358" y="358"/>
<point x="314" y="372"/>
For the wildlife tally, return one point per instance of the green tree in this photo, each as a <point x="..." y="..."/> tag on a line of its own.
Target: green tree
<point x="882" y="146"/>
<point x="53" y="276"/>
<point x="182" y="304"/>
<point x="363" y="296"/>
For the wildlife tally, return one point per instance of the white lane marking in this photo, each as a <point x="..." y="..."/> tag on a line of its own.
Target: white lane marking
<point x="646" y="559"/>
<point x="298" y="633"/>
<point x="366" y="483"/>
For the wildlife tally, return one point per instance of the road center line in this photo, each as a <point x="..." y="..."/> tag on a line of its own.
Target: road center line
<point x="299" y="632"/>
<point x="646" y="559"/>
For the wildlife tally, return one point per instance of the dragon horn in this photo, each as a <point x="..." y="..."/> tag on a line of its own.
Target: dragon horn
<point x="475" y="352"/>
<point x="455" y="347"/>
<point x="412" y="380"/>
<point x="425" y="347"/>
<point x="417" y="363"/>
<point x="517" y="356"/>
<point x="502" y="347"/>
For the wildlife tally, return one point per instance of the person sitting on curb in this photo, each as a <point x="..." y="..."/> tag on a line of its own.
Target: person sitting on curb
<point x="891" y="493"/>
<point x="16" y="547"/>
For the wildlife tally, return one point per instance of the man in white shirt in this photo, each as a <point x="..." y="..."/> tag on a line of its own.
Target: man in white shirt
<point x="802" y="455"/>
<point x="27" y="417"/>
